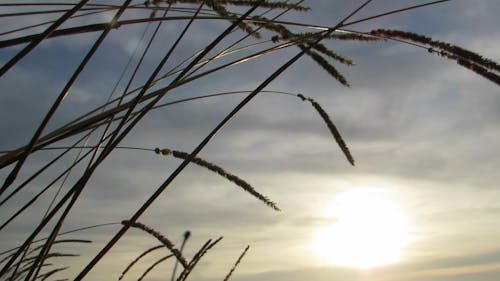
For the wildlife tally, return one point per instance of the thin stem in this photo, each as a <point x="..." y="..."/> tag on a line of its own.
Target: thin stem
<point x="236" y="263"/>
<point x="17" y="14"/>
<point x="393" y="12"/>
<point x="143" y="208"/>
<point x="66" y="232"/>
<point x="13" y="174"/>
<point x="44" y="35"/>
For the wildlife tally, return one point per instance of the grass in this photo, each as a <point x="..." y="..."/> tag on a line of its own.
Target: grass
<point x="100" y="131"/>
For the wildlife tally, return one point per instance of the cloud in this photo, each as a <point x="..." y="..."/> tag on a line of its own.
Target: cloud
<point x="415" y="123"/>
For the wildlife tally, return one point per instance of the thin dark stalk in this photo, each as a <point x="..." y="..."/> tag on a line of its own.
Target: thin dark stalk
<point x="151" y="78"/>
<point x="41" y="170"/>
<point x="129" y="266"/>
<point x="89" y="123"/>
<point x="153" y="266"/>
<point x="44" y="248"/>
<point x="186" y="236"/>
<point x="236" y="263"/>
<point x="170" y="73"/>
<point x="225" y="50"/>
<point x="40" y="226"/>
<point x="61" y="241"/>
<point x="44" y="35"/>
<point x="350" y="31"/>
<point x="331" y="126"/>
<point x="94" y="28"/>
<point x="18" y="265"/>
<point x="23" y="270"/>
<point x="66" y="176"/>
<point x="76" y="190"/>
<point x="105" y="8"/>
<point x="11" y="177"/>
<point x="143" y="208"/>
<point x="101" y="26"/>
<point x="28" y="263"/>
<point x="164" y="240"/>
<point x="13" y="174"/>
<point x="73" y="193"/>
<point x="52" y="272"/>
<point x="468" y="59"/>
<point x="51" y="21"/>
<point x="27" y="267"/>
<point x="50" y="240"/>
<point x="96" y="124"/>
<point x="44" y="12"/>
<point x="129" y="62"/>
<point x="220" y="171"/>
<point x="91" y="167"/>
<point x="204" y="142"/>
<point x="393" y="12"/>
<point x="29" y="203"/>
<point x="53" y="4"/>
<point x="197" y="257"/>
<point x="64" y="233"/>
<point x="174" y="71"/>
<point x="35" y="4"/>
<point x="56" y="229"/>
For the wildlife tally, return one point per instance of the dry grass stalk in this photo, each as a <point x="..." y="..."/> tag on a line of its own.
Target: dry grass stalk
<point x="480" y="70"/>
<point x="468" y="59"/>
<point x="46" y="275"/>
<point x="196" y="258"/>
<point x="153" y="266"/>
<point x="266" y="4"/>
<point x="160" y="237"/>
<point x="333" y="129"/>
<point x="236" y="263"/>
<point x="214" y="168"/>
<point x="186" y="236"/>
<point x="295" y="37"/>
<point x="263" y="4"/>
<point x="459" y="51"/>
<point x="27" y="264"/>
<point x="353" y="37"/>
<point x="309" y="39"/>
<point x="39" y="247"/>
<point x="218" y="7"/>
<point x="310" y="36"/>
<point x="271" y="26"/>
<point x="129" y="266"/>
<point x="323" y="49"/>
<point x="328" y="67"/>
<point x="52" y="255"/>
<point x="221" y="11"/>
<point x="472" y="61"/>
<point x="60" y="242"/>
<point x="25" y="269"/>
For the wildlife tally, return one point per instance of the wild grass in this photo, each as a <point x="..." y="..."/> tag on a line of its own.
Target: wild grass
<point x="18" y="270"/>
<point x="252" y="30"/>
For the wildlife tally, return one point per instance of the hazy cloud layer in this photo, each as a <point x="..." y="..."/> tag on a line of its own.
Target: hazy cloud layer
<point x="418" y="125"/>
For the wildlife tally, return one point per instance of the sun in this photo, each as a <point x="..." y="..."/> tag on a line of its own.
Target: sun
<point x="369" y="229"/>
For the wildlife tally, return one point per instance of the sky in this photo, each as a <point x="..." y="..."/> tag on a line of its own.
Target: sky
<point x="420" y="203"/>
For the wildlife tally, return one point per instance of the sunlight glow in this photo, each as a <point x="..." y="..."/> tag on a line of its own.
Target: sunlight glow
<point x="369" y="230"/>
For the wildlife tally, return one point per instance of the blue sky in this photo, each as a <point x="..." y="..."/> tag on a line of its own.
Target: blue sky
<point x="422" y="129"/>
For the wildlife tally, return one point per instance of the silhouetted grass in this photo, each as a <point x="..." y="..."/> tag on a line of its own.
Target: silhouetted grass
<point x="108" y="125"/>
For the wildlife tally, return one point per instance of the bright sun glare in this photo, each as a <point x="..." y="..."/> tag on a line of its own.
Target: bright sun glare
<point x="369" y="230"/>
